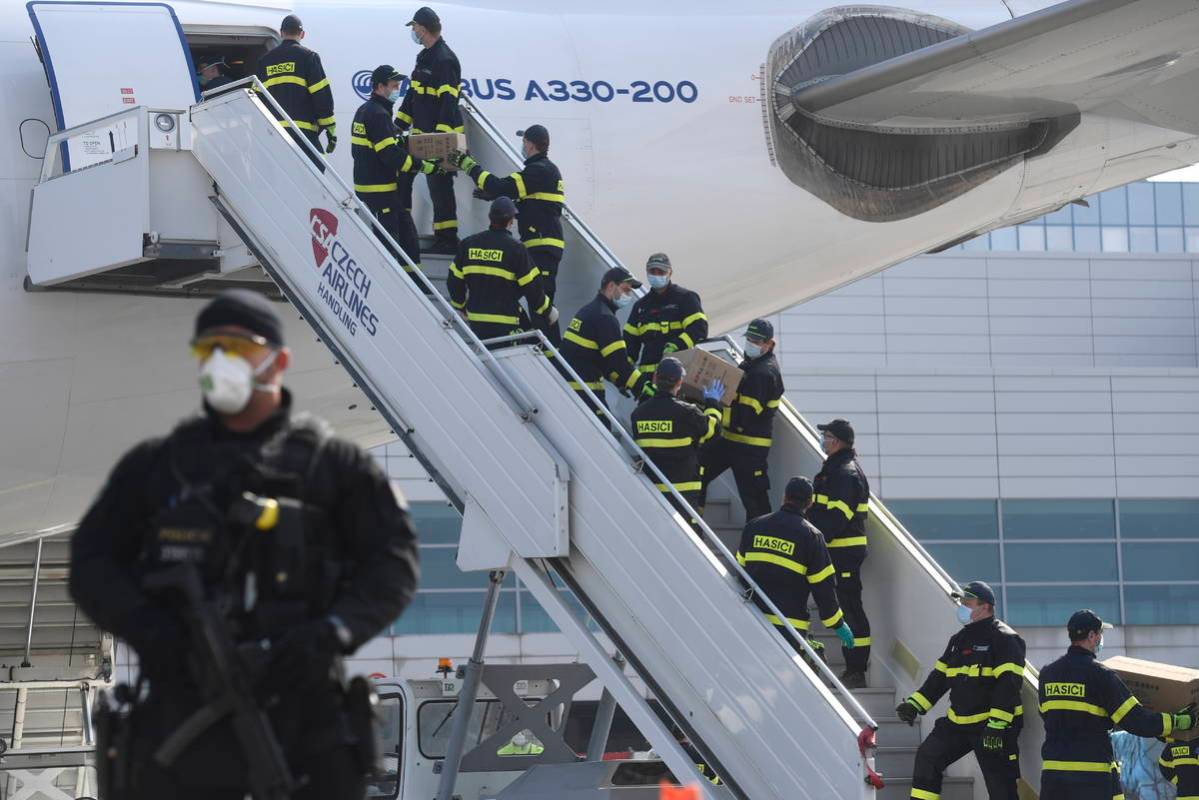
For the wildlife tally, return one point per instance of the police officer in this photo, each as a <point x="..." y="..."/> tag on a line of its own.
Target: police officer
<point x="842" y="505"/>
<point x="786" y="556"/>
<point x="340" y="570"/>
<point x="380" y="158"/>
<point x="592" y="343"/>
<point x="983" y="671"/>
<point x="671" y="431"/>
<point x="295" y="78"/>
<point x="490" y="274"/>
<point x="539" y="195"/>
<point x="431" y="106"/>
<point x="1179" y="763"/>
<point x="667" y="319"/>
<point x="1081" y="701"/>
<point x="744" y="442"/>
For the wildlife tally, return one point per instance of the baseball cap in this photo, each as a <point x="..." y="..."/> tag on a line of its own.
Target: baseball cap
<point x="977" y="590"/>
<point x="424" y="16"/>
<point x="759" y="329"/>
<point x="620" y="275"/>
<point x="537" y="134"/>
<point x="245" y="309"/>
<point x="384" y="73"/>
<point x="291" y="24"/>
<point x="839" y="428"/>
<point x="670" y="370"/>
<point x="658" y="261"/>
<point x="1083" y="622"/>
<point x="502" y="208"/>
<point x="799" y="489"/>
<point x="210" y="61"/>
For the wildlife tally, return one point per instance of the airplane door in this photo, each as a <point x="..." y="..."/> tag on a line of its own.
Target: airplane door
<point x="102" y="58"/>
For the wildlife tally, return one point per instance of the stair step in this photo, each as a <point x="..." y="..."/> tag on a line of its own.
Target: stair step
<point x="951" y="789"/>
<point x="878" y="701"/>
<point x="895" y="761"/>
<point x="894" y="732"/>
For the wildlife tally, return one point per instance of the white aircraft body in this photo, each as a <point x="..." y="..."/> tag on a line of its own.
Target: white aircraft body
<point x="774" y="150"/>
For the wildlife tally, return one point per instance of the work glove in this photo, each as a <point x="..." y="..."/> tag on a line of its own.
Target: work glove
<point x="671" y="347"/>
<point x="303" y="656"/>
<point x="908" y="711"/>
<point x="845" y="634"/>
<point x="1184" y="720"/>
<point x="714" y="391"/>
<point x="330" y="138"/>
<point x="552" y="315"/>
<point x="463" y="161"/>
<point x="648" y="390"/>
<point x="428" y="167"/>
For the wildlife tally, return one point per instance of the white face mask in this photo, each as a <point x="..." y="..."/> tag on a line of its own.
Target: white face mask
<point x="622" y="300"/>
<point x="416" y="37"/>
<point x="752" y="349"/>
<point x="394" y="97"/>
<point x="228" y="381"/>
<point x="965" y="614"/>
<point x="658" y="281"/>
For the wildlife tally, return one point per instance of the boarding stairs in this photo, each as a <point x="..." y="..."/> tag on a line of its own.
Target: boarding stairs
<point x="546" y="490"/>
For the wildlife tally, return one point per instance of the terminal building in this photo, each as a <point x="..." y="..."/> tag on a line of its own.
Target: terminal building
<point x="1027" y="403"/>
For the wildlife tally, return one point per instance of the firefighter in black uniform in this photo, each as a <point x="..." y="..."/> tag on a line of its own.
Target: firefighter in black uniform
<point x="842" y="506"/>
<point x="785" y="555"/>
<point x="671" y="431"/>
<point x="490" y="274"/>
<point x="1081" y="701"/>
<point x="339" y="551"/>
<point x="1179" y="764"/>
<point x="983" y="671"/>
<point x="295" y="78"/>
<point x="744" y="442"/>
<point x="431" y="106"/>
<point x="667" y="319"/>
<point x="380" y="159"/>
<point x="592" y="343"/>
<point x="539" y="195"/>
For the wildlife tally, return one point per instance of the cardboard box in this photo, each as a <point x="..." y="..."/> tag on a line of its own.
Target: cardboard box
<point x="1159" y="687"/>
<point x="437" y="147"/>
<point x="702" y="368"/>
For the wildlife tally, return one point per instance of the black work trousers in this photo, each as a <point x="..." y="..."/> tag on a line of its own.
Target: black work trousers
<point x="445" y="206"/>
<point x="397" y="222"/>
<point x="949" y="742"/>
<point x="847" y="561"/>
<point x="748" y="463"/>
<point x="1080" y="786"/>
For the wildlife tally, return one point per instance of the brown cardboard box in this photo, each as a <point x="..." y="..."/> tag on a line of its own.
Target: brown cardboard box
<point x="1159" y="687"/>
<point x="702" y="367"/>
<point x="436" y="146"/>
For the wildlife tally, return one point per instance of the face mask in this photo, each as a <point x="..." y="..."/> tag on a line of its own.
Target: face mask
<point x="1099" y="647"/>
<point x="658" y="281"/>
<point x="752" y="350"/>
<point x="394" y="97"/>
<point x="228" y="381"/>
<point x="203" y="81"/>
<point x="622" y="300"/>
<point x="964" y="613"/>
<point x="416" y="38"/>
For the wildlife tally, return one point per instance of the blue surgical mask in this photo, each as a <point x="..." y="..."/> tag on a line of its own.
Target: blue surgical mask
<point x="1099" y="647"/>
<point x="622" y="300"/>
<point x="416" y="38"/>
<point x="658" y="281"/>
<point x="394" y="97"/>
<point x="752" y="350"/>
<point x="964" y="613"/>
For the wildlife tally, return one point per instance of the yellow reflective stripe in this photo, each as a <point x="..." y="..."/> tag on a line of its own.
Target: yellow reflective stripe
<point x="740" y="558"/>
<point x="589" y="384"/>
<point x="1077" y="766"/>
<point x="687" y="486"/>
<point x="549" y="197"/>
<point x="501" y="319"/>
<point x="863" y="507"/>
<point x="849" y="541"/>
<point x="316" y="87"/>
<point x="1167" y="724"/>
<point x="686" y="340"/>
<point x="457" y="305"/>
<point x="590" y="344"/>
<point x="361" y="140"/>
<point x="1074" y="705"/>
<point x="758" y="441"/>
<point x="922" y="794"/>
<point x="942" y="667"/>
<point x="445" y="225"/>
<point x="713" y="417"/>
<point x="494" y="272"/>
<point x="304" y="126"/>
<point x="367" y="188"/>
<point x="686" y="441"/>
<point x="327" y="122"/>
<point x="529" y="277"/>
<point x="634" y="376"/>
<point x="612" y="348"/>
<point x="841" y="504"/>
<point x="280" y="79"/>
<point x="798" y="624"/>
<point x="817" y="577"/>
<point x="544" y="307"/>
<point x="648" y="367"/>
<point x="1009" y="666"/>
<point x="457" y="273"/>
<point x="383" y="145"/>
<point x="443" y="128"/>
<point x="772" y="404"/>
<point x="1123" y="710"/>
<point x="400" y="115"/>
<point x="778" y="561"/>
<point x="751" y="402"/>
<point x="446" y="88"/>
<point x="520" y="185"/>
<point x="967" y="719"/>
<point x="630" y="329"/>
<point x="482" y="179"/>
<point x="545" y="241"/>
<point x="862" y="641"/>
<point x="921" y="701"/>
<point x="832" y="621"/>
<point x="999" y="713"/>
<point x="696" y="317"/>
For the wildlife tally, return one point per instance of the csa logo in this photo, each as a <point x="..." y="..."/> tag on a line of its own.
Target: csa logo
<point x="362" y="83"/>
<point x="345" y="286"/>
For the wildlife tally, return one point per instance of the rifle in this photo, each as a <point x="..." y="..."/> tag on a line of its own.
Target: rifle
<point x="226" y="688"/>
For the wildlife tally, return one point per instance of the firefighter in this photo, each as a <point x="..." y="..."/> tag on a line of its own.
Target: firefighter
<point x="667" y="319"/>
<point x="431" y="106"/>
<point x="1081" y="701"/>
<point x="748" y="424"/>
<point x="537" y="190"/>
<point x="786" y="556"/>
<point x="295" y="78"/>
<point x="842" y="505"/>
<point x="983" y="671"/>
<point x="671" y="431"/>
<point x="380" y="158"/>
<point x="1179" y="764"/>
<point x="490" y="274"/>
<point x="592" y="343"/>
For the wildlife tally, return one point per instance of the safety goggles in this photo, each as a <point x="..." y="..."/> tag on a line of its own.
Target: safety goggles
<point x="245" y="346"/>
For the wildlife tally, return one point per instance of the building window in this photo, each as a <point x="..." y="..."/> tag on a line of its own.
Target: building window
<point x="1058" y="519"/>
<point x="1051" y="606"/>
<point x="1161" y="605"/>
<point x="948" y="519"/>
<point x="1161" y="561"/>
<point x="1159" y="519"/>
<point x="1060" y="562"/>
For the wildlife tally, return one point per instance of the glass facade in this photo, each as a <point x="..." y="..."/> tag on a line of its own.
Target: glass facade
<point x="1132" y="561"/>
<point x="1138" y="218"/>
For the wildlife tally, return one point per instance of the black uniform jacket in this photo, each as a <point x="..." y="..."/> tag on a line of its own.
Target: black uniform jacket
<point x="539" y="195"/>
<point x="592" y="344"/>
<point x="295" y="78"/>
<point x="670" y="432"/>
<point x="983" y="671"/>
<point x="672" y="316"/>
<point x="842" y="501"/>
<point x="489" y="275"/>
<point x="1179" y="764"/>
<point x="431" y="103"/>
<point x="749" y="420"/>
<point x="378" y="154"/>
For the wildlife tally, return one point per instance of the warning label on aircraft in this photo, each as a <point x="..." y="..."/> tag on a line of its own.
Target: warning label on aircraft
<point x="345" y="286"/>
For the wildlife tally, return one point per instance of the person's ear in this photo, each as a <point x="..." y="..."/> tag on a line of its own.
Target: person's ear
<point x="282" y="360"/>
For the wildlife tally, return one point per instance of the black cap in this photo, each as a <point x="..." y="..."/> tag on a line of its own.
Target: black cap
<point x="670" y="371"/>
<point x="211" y="61"/>
<point x="659" y="261"/>
<point x="291" y="24"/>
<point x="619" y="275"/>
<point x="839" y="428"/>
<point x="977" y="590"/>
<point x="799" y="490"/>
<point x="537" y="134"/>
<point x="424" y="16"/>
<point x="1083" y="622"/>
<point x="502" y="208"/>
<point x="245" y="309"/>
<point x="384" y="73"/>
<point x="759" y="329"/>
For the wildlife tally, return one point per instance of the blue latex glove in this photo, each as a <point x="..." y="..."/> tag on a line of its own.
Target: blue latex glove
<point x="845" y="635"/>
<point x="714" y="391"/>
